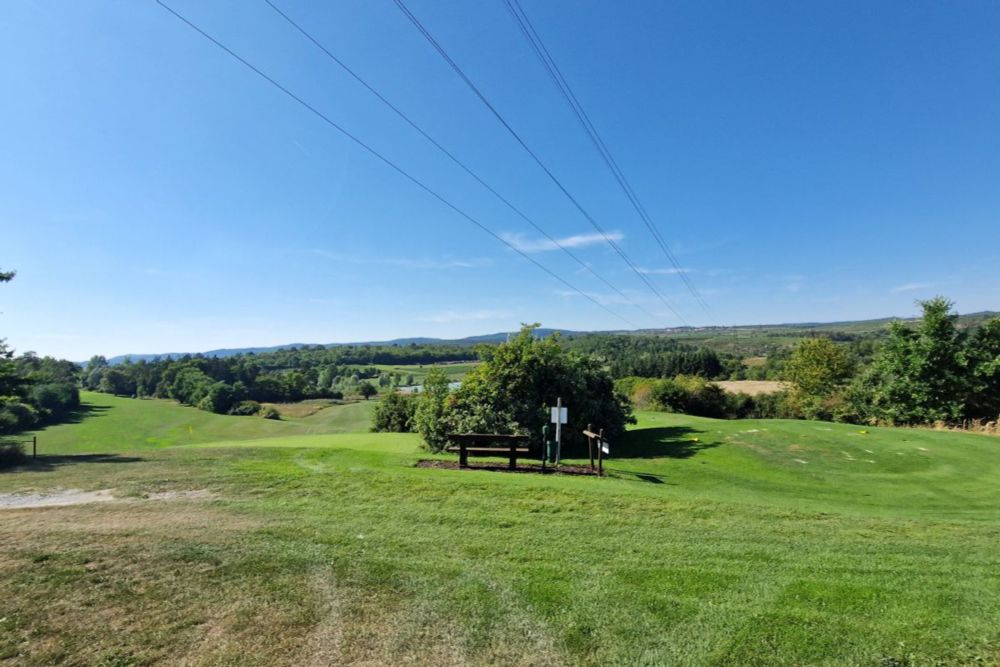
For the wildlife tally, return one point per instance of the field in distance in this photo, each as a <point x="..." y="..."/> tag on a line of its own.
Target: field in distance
<point x="239" y="540"/>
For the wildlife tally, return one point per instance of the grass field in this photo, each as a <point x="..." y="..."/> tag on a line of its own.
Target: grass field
<point x="712" y="543"/>
<point x="454" y="371"/>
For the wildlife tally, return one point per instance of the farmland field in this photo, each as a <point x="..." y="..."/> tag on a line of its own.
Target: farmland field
<point x="238" y="540"/>
<point x="752" y="387"/>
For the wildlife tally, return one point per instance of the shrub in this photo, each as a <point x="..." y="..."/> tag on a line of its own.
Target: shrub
<point x="691" y="395"/>
<point x="11" y="453"/>
<point x="246" y="408"/>
<point x="16" y="416"/>
<point x="639" y="390"/>
<point x="431" y="418"/>
<point x="267" y="412"/>
<point x="395" y="412"/>
<point x="54" y="400"/>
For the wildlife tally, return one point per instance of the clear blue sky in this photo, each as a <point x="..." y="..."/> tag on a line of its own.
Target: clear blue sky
<point x="807" y="161"/>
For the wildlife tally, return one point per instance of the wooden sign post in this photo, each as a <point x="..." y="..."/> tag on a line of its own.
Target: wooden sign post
<point x="603" y="448"/>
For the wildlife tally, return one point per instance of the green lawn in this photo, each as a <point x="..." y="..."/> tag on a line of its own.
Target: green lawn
<point x="113" y="424"/>
<point x="712" y="543"/>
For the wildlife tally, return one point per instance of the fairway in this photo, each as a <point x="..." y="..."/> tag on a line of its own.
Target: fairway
<point x="712" y="543"/>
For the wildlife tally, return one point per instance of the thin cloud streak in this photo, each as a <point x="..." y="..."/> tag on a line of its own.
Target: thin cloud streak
<point x="534" y="245"/>
<point x="909" y="287"/>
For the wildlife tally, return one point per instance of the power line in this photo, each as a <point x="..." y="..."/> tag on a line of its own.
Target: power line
<point x="458" y="70"/>
<point x="387" y="161"/>
<point x="548" y="62"/>
<point x="451" y="156"/>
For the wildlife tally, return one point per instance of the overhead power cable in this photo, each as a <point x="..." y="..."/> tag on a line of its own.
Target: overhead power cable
<point x="548" y="62"/>
<point x="426" y="188"/>
<point x="517" y="137"/>
<point x="452" y="157"/>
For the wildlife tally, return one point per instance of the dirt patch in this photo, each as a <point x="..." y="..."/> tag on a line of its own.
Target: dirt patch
<point x="64" y="497"/>
<point x="502" y="467"/>
<point x="54" y="498"/>
<point x="752" y="387"/>
<point x="198" y="494"/>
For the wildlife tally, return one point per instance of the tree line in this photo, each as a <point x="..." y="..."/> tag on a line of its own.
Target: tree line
<point x="239" y="384"/>
<point x="931" y="371"/>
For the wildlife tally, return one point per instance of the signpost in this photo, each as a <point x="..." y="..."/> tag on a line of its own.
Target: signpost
<point x="559" y="416"/>
<point x="603" y="448"/>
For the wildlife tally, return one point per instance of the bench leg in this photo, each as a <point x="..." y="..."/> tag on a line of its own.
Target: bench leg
<point x="513" y="459"/>
<point x="463" y="456"/>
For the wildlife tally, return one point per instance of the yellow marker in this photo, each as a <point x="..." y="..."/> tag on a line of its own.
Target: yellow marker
<point x="863" y="432"/>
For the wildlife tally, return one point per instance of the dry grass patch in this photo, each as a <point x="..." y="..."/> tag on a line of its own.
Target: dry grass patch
<point x="302" y="408"/>
<point x="753" y="387"/>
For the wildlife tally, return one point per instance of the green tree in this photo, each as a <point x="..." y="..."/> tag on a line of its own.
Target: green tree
<point x="818" y="366"/>
<point x="919" y="375"/>
<point x="518" y="381"/>
<point x="983" y="358"/>
<point x="367" y="389"/>
<point x="432" y="416"/>
<point x="395" y="413"/>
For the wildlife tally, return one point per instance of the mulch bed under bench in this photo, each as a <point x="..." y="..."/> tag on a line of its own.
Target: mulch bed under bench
<point x="535" y="468"/>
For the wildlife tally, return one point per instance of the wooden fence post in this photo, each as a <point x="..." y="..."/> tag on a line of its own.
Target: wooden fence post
<point x="590" y="445"/>
<point x="600" y="453"/>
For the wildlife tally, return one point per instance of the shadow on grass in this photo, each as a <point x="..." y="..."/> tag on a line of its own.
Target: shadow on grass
<point x="85" y="411"/>
<point x="50" y="462"/>
<point x="673" y="442"/>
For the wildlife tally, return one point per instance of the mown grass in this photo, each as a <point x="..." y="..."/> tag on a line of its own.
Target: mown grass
<point x="113" y="424"/>
<point x="711" y="544"/>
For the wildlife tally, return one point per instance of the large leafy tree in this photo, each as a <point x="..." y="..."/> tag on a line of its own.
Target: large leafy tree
<point x="920" y="375"/>
<point x="983" y="358"/>
<point x="512" y="390"/>
<point x="818" y="366"/>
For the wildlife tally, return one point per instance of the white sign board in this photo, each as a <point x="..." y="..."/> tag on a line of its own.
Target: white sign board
<point x="560" y="416"/>
<point x="605" y="447"/>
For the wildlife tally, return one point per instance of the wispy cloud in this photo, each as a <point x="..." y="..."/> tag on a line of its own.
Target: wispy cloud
<point x="421" y="263"/>
<point x="525" y="244"/>
<point x="909" y="287"/>
<point x="450" y="316"/>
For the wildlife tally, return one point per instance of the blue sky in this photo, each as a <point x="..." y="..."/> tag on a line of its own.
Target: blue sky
<point x="805" y="161"/>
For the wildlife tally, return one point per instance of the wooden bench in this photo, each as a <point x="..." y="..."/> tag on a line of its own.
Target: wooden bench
<point x="488" y="444"/>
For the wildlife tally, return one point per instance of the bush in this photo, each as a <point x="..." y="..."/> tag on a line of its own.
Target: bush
<point x="267" y="412"/>
<point x="692" y="395"/>
<point x="778" y="405"/>
<point x="431" y="419"/>
<point x="54" y="400"/>
<point x="639" y="390"/>
<point x="395" y="413"/>
<point x="16" y="416"/>
<point x="11" y="454"/>
<point x="244" y="408"/>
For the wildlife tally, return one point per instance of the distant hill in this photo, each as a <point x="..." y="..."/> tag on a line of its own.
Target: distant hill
<point x="398" y="342"/>
<point x="852" y="327"/>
